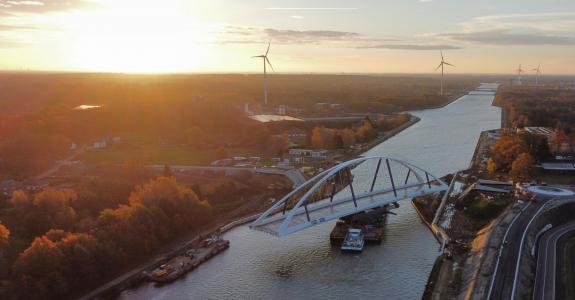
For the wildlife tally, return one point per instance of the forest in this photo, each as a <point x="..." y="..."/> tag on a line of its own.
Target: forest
<point x="541" y="106"/>
<point x="38" y="122"/>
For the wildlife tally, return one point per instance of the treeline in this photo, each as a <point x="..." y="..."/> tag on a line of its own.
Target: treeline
<point x="71" y="250"/>
<point x="541" y="106"/>
<point x="344" y="138"/>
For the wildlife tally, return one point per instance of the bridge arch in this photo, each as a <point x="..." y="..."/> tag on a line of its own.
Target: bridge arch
<point x="347" y="188"/>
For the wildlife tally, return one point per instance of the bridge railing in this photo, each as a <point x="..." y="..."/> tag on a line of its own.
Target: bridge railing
<point x="346" y="189"/>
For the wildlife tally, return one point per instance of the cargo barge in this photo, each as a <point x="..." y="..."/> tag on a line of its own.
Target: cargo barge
<point x="371" y="222"/>
<point x="181" y="265"/>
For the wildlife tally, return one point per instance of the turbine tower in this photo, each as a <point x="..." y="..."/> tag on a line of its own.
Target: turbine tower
<point x="537" y="74"/>
<point x="266" y="62"/>
<point x="519" y="72"/>
<point x="441" y="65"/>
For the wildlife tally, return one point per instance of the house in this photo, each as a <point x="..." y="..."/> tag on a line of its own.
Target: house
<point x="299" y="155"/>
<point x="100" y="144"/>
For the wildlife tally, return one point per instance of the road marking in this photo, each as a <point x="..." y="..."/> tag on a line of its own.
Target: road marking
<point x="521" y="247"/>
<point x="502" y="247"/>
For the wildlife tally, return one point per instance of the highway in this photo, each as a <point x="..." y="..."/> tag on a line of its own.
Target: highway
<point x="505" y="270"/>
<point x="549" y="262"/>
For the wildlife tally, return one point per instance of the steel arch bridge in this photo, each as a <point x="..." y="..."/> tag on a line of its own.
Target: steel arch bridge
<point x="346" y="189"/>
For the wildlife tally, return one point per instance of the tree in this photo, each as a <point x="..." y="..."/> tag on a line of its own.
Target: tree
<point x="537" y="144"/>
<point x="51" y="210"/>
<point x="317" y="140"/>
<point x="278" y="144"/>
<point x="506" y="150"/>
<point x="4" y="236"/>
<point x="522" y="167"/>
<point x="366" y="132"/>
<point x="20" y="200"/>
<point x="348" y="138"/>
<point x="38" y="271"/>
<point x="491" y="165"/>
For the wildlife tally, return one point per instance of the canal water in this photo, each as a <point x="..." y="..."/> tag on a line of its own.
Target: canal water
<point x="305" y="266"/>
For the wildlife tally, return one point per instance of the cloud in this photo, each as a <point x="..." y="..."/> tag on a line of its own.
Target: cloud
<point x="6" y="43"/>
<point x="410" y="47"/>
<point x="504" y="37"/>
<point x="312" y="8"/>
<point x="251" y="35"/>
<point x="309" y="36"/>
<point x="556" y="28"/>
<point x="5" y="27"/>
<point x="42" y="6"/>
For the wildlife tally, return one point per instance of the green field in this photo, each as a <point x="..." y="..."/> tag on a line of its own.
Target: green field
<point x="171" y="155"/>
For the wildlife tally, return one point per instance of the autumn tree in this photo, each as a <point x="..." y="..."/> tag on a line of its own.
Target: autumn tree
<point x="522" y="167"/>
<point x="38" y="271"/>
<point x="317" y="140"/>
<point x="4" y="236"/>
<point x="51" y="209"/>
<point x="366" y="132"/>
<point x="20" y="200"/>
<point x="506" y="150"/>
<point x="348" y="138"/>
<point x="491" y="165"/>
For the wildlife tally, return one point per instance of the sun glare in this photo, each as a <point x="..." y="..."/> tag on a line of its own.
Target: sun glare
<point x="137" y="36"/>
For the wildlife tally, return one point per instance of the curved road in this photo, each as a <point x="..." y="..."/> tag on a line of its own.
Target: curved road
<point x="505" y="269"/>
<point x="550" y="261"/>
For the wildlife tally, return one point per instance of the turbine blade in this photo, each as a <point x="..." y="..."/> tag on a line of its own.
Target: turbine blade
<point x="269" y="63"/>
<point x="258" y="56"/>
<point x="448" y="64"/>
<point x="269" y="44"/>
<point x="441" y="51"/>
<point x="441" y="64"/>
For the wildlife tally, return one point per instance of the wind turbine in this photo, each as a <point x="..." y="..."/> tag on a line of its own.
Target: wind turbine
<point x="266" y="62"/>
<point x="538" y="73"/>
<point x="441" y="65"/>
<point x="519" y="72"/>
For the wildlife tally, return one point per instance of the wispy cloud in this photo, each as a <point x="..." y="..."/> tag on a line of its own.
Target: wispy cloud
<point x="312" y="8"/>
<point x="410" y="47"/>
<point x="249" y="35"/>
<point x="506" y="37"/>
<point x="309" y="36"/>
<point x="516" y="29"/>
<point x="42" y="6"/>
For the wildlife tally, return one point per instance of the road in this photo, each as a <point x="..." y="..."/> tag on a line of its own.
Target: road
<point x="294" y="175"/>
<point x="504" y="275"/>
<point x="549" y="262"/>
<point x="61" y="163"/>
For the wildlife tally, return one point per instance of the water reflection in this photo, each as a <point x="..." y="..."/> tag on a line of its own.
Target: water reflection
<point x="304" y="265"/>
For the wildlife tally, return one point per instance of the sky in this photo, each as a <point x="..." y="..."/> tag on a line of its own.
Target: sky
<point x="307" y="36"/>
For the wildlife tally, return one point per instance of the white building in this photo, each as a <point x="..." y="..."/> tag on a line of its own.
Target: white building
<point x="319" y="154"/>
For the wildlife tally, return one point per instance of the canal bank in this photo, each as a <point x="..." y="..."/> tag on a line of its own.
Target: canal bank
<point x="305" y="265"/>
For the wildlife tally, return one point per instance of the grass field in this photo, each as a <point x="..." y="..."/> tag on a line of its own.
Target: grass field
<point x="171" y="155"/>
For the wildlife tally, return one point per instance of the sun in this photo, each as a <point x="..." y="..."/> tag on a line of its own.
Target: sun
<point x="138" y="36"/>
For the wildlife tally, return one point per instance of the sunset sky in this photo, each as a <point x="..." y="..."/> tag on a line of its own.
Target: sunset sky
<point x="365" y="36"/>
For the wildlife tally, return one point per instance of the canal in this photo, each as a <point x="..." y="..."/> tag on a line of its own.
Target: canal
<point x="305" y="266"/>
